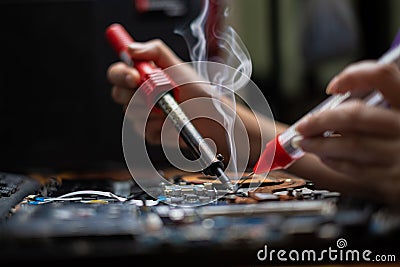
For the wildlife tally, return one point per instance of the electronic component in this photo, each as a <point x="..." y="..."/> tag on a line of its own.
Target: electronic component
<point x="200" y="194"/>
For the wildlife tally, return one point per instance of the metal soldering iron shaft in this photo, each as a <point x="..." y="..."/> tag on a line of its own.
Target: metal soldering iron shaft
<point x="226" y="182"/>
<point x="211" y="163"/>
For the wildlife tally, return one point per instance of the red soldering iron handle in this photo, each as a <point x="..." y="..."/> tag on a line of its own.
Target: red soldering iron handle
<point x="119" y="40"/>
<point x="159" y="82"/>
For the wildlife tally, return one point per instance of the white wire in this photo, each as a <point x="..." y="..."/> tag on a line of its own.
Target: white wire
<point x="62" y="199"/>
<point x="92" y="192"/>
<point x="70" y="196"/>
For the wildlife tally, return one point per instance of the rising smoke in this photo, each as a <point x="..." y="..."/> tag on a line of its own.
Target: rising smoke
<point x="209" y="31"/>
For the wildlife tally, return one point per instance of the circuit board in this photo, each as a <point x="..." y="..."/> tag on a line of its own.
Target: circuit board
<point x="78" y="218"/>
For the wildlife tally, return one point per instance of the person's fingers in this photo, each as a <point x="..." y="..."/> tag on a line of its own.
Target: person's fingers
<point x="156" y="51"/>
<point x="121" y="95"/>
<point x="352" y="117"/>
<point x="353" y="148"/>
<point x="367" y="75"/>
<point x="122" y="75"/>
<point x="361" y="171"/>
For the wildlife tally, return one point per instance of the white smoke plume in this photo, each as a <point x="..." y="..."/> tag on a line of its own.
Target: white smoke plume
<point x="230" y="51"/>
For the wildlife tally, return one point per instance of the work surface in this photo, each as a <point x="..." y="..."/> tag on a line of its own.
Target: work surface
<point x="106" y="217"/>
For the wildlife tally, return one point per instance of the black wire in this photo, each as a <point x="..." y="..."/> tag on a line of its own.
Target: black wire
<point x="239" y="186"/>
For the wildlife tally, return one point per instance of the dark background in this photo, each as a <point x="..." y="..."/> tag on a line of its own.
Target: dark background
<point x="55" y="102"/>
<point x="56" y="112"/>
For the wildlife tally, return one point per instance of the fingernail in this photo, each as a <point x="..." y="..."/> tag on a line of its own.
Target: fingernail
<point x="302" y="124"/>
<point x="135" y="46"/>
<point x="296" y="141"/>
<point x="332" y="86"/>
